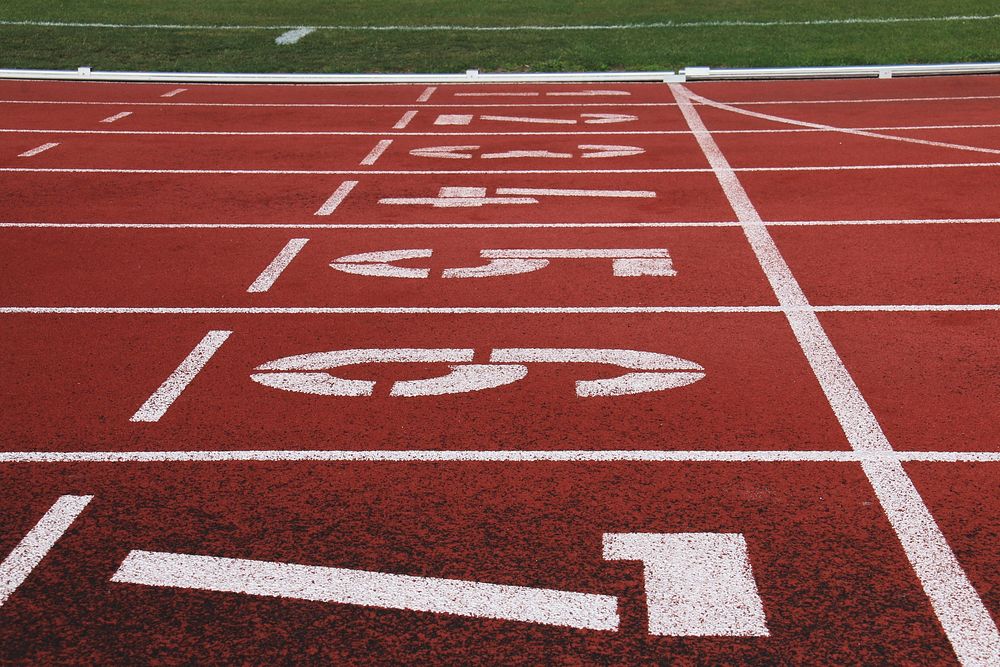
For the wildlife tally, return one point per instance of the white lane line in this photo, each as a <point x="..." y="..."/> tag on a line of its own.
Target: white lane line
<point x="486" y="172"/>
<point x="362" y="310"/>
<point x="117" y="116"/>
<point x="374" y="589"/>
<point x="280" y="262"/>
<point x="337" y="198"/>
<point x="426" y="95"/>
<point x="340" y="105"/>
<point x="487" y="225"/>
<point x="409" y="115"/>
<point x="843" y="130"/>
<point x="376" y="152"/>
<point x="174" y="92"/>
<point x="293" y="36"/>
<point x="477" y="310"/>
<point x="404" y="120"/>
<point x="502" y="456"/>
<point x="160" y="401"/>
<point x="961" y="612"/>
<point x="38" y="149"/>
<point x="30" y="551"/>
<point x="722" y="23"/>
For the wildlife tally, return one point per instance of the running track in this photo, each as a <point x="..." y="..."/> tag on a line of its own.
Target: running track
<point x="639" y="373"/>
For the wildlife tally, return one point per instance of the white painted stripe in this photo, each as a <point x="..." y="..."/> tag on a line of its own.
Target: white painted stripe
<point x="844" y="130"/>
<point x="336" y="105"/>
<point x="160" y="401"/>
<point x="555" y="192"/>
<point x="484" y="310"/>
<point x="499" y="456"/>
<point x="409" y="115"/>
<point x="498" y="94"/>
<point x="293" y="36"/>
<point x="374" y="589"/>
<point x="337" y="198"/>
<point x="484" y="225"/>
<point x="697" y="584"/>
<point x="117" y="116"/>
<point x="722" y="23"/>
<point x="280" y="262"/>
<point x="486" y="172"/>
<point x="961" y="612"/>
<point x="404" y="120"/>
<point x="30" y="551"/>
<point x="174" y="92"/>
<point x="426" y="95"/>
<point x="377" y="152"/>
<point x="38" y="149"/>
<point x="360" y="310"/>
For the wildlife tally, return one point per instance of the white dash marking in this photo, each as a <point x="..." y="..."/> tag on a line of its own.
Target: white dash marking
<point x="405" y="120"/>
<point x="38" y="149"/>
<point x="498" y="94"/>
<point x="292" y="36"/>
<point x="174" y="92"/>
<point x="280" y="262"/>
<point x="963" y="616"/>
<point x="337" y="198"/>
<point x="376" y="152"/>
<point x="117" y="116"/>
<point x="551" y="192"/>
<point x="30" y="551"/>
<point x="426" y="95"/>
<point x="373" y="589"/>
<point x="168" y="392"/>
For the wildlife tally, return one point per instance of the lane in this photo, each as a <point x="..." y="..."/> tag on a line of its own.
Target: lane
<point x="833" y="584"/>
<point x="276" y="198"/>
<point x="690" y="267"/>
<point x="77" y="380"/>
<point x="929" y="377"/>
<point x="298" y="152"/>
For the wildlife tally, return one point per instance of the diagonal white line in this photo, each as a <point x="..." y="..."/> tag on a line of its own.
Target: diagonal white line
<point x="961" y="612"/>
<point x="376" y="152"/>
<point x="280" y="262"/>
<point x="160" y="401"/>
<point x="844" y="130"/>
<point x="30" y="551"/>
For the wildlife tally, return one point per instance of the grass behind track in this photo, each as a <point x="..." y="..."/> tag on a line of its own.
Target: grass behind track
<point x="452" y="51"/>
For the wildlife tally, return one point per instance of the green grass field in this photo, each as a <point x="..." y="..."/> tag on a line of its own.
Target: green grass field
<point x="342" y="50"/>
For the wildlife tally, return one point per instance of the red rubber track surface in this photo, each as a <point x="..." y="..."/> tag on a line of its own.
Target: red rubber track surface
<point x="236" y="208"/>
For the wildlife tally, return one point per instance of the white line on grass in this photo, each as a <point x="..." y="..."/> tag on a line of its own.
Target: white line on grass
<point x="280" y="262"/>
<point x="376" y="152"/>
<point x="529" y="28"/>
<point x="337" y="198"/>
<point x="30" y="551"/>
<point x="516" y="455"/>
<point x="38" y="149"/>
<point x="117" y="116"/>
<point x="160" y="401"/>
<point x="961" y="612"/>
<point x="292" y="36"/>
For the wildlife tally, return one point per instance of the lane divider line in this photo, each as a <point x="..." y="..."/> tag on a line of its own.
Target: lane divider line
<point x="963" y="616"/>
<point x="38" y="149"/>
<point x="33" y="547"/>
<point x="160" y="400"/>
<point x="270" y="274"/>
<point x="405" y="120"/>
<point x="336" y="199"/>
<point x="376" y="152"/>
<point x="117" y="116"/>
